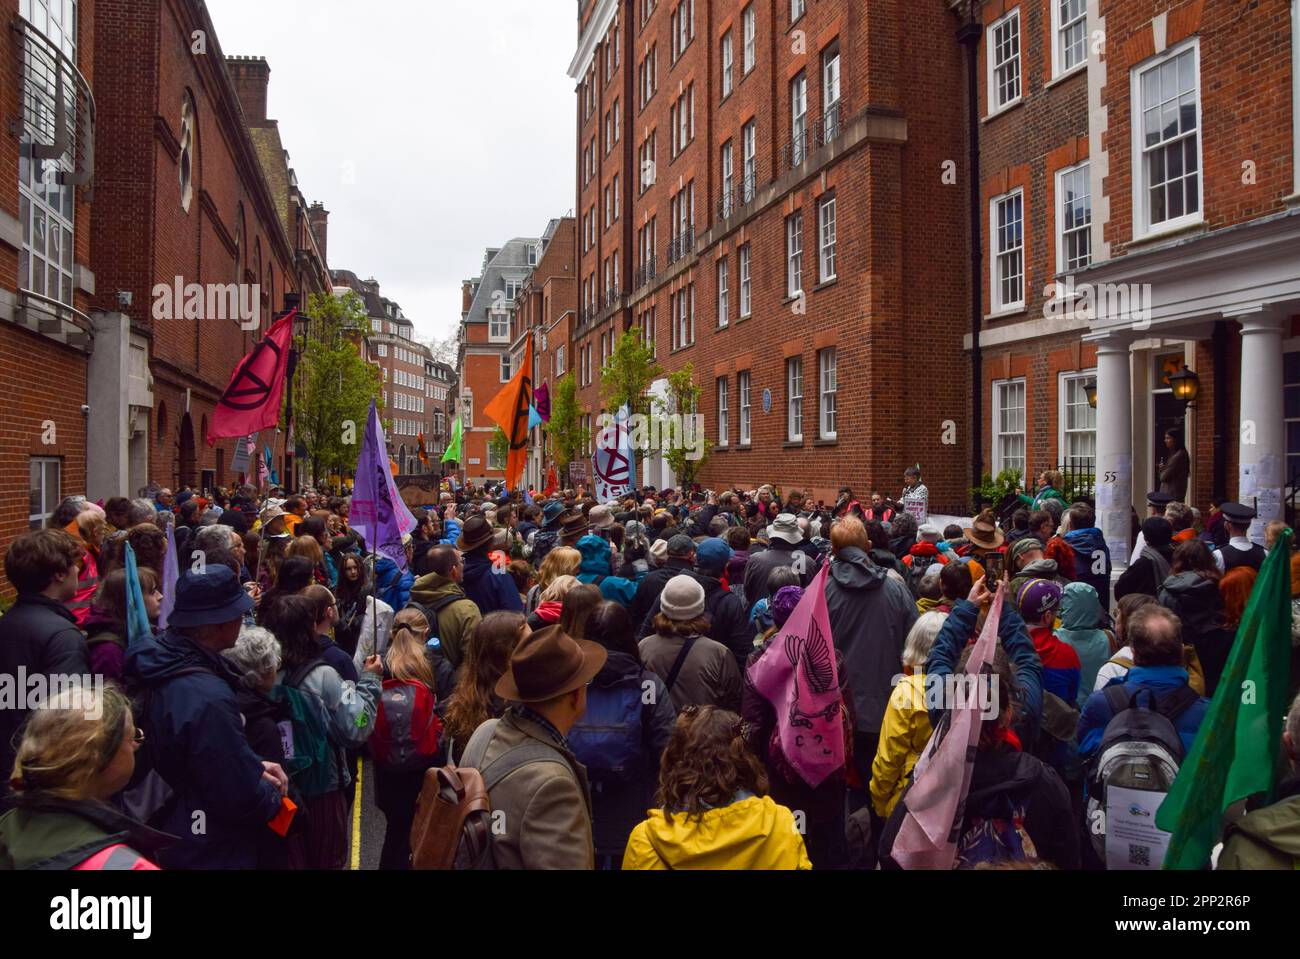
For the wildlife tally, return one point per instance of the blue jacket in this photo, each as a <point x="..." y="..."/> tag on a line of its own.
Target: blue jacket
<point x="490" y="590"/>
<point x="1086" y="542"/>
<point x="450" y="532"/>
<point x="596" y="563"/>
<point x="393" y="585"/>
<point x="1160" y="679"/>
<point x="959" y="629"/>
<point x="195" y="738"/>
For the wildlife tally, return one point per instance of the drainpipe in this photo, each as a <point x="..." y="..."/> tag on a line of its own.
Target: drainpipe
<point x="969" y="36"/>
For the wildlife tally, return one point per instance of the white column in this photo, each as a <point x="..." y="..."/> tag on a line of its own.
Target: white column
<point x="1262" y="439"/>
<point x="1114" y="446"/>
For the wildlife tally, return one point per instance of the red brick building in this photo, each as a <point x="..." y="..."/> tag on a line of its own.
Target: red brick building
<point x="759" y="191"/>
<point x="46" y="281"/>
<point x="180" y="177"/>
<point x="1144" y="155"/>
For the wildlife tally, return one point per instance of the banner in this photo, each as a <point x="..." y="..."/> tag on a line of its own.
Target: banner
<point x="509" y="409"/>
<point x="252" y="399"/>
<point x="452" y="455"/>
<point x="614" y="461"/>
<point x="244" y="454"/>
<point x="378" y="512"/>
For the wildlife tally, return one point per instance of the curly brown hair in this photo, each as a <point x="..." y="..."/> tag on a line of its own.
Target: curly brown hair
<point x="706" y="763"/>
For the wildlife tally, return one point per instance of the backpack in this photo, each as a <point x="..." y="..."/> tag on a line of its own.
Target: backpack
<point x="407" y="727"/>
<point x="916" y="571"/>
<point x="453" y="824"/>
<point x="1140" y="750"/>
<point x="608" y="739"/>
<point x="149" y="798"/>
<point x="307" y="747"/>
<point x="994" y="839"/>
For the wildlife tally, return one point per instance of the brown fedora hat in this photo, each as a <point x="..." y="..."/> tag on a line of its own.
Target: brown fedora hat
<point x="549" y="663"/>
<point x="476" y="532"/>
<point x="983" y="531"/>
<point x="572" y="526"/>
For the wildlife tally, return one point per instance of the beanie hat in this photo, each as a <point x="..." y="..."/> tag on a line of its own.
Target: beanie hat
<point x="682" y="599"/>
<point x="1036" y="597"/>
<point x="1022" y="546"/>
<point x="711" y="556"/>
<point x="930" y="533"/>
<point x="784" y="602"/>
<point x="679" y="544"/>
<point x="1157" y="531"/>
<point x="659" y="552"/>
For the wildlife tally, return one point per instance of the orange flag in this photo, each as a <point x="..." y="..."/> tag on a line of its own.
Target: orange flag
<point x="509" y="410"/>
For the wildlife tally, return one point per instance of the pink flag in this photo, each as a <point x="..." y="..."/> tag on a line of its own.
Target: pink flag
<point x="935" y="803"/>
<point x="797" y="676"/>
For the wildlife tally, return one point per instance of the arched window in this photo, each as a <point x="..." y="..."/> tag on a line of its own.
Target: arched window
<point x="189" y="135"/>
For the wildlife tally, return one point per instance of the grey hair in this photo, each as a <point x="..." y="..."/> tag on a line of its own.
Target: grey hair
<point x="142" y="511"/>
<point x="920" y="638"/>
<point x="255" y="654"/>
<point x="212" y="537"/>
<point x="558" y="589"/>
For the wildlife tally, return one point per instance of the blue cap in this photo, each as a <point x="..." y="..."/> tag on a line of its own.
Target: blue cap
<point x="711" y="555"/>
<point x="209" y="597"/>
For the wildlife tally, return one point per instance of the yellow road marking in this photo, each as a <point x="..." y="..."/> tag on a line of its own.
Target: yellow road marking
<point x="356" y="819"/>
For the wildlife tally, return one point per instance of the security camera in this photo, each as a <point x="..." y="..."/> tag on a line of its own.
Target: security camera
<point x="85" y="408"/>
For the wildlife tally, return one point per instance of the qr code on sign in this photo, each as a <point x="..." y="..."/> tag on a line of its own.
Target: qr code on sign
<point x="1139" y="855"/>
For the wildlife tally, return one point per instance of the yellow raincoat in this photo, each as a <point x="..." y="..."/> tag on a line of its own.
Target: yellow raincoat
<point x="754" y="833"/>
<point x="903" y="735"/>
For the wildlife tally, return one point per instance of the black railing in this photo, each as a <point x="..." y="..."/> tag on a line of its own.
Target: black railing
<point x="646" y="272"/>
<point x="682" y="245"/>
<point x="831" y="124"/>
<point x="796" y="151"/>
<point x="737" y="195"/>
<point x="612" y="298"/>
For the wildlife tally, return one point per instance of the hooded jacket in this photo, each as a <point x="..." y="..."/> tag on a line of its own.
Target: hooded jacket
<point x="1038" y="569"/>
<point x="348" y="711"/>
<point x="490" y="591"/>
<point x="903" y="737"/>
<point x="1081" y="628"/>
<point x="617" y="806"/>
<point x="1085" y="543"/>
<point x="1266" y="838"/>
<point x="1141" y="576"/>
<point x="195" y="741"/>
<point x="456" y="620"/>
<point x="596" y="564"/>
<point x="870" y="615"/>
<point x="1097" y="713"/>
<point x="709" y="675"/>
<point x="393" y="585"/>
<point x="50" y="833"/>
<point x="751" y="833"/>
<point x="1197" y="602"/>
<point x="760" y="566"/>
<point x="728" y="619"/>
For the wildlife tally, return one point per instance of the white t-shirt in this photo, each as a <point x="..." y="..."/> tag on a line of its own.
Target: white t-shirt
<point x="1110" y="671"/>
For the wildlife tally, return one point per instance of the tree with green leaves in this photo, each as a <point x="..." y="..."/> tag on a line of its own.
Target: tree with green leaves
<point x="568" y="438"/>
<point x="689" y="450"/>
<point x="626" y="378"/>
<point x="499" y="447"/>
<point x="335" y="385"/>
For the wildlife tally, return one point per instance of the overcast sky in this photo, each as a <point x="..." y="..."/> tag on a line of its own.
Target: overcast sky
<point x="430" y="129"/>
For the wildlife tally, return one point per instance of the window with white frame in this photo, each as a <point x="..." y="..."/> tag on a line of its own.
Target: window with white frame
<point x="746" y="287"/>
<point x="723" y="293"/>
<point x="1009" y="426"/>
<point x="381" y="349"/>
<point x="723" y="424"/>
<point x="1006" y="227"/>
<point x="794" y="399"/>
<point x="1166" y="102"/>
<point x="1004" y="61"/>
<point x="1074" y="224"/>
<point x="797" y="8"/>
<point x="750" y="32"/>
<point x="728" y="179"/>
<point x="559" y="361"/>
<point x="498" y="326"/>
<point x="728" y="62"/>
<point x="44" y="484"/>
<point x="1078" y="421"/>
<point x="742" y="382"/>
<point x="1070" y="33"/>
<point x="831" y="90"/>
<point x="794" y="255"/>
<point x="683" y="26"/>
<point x="618" y="118"/>
<point x="826" y="239"/>
<point x="798" y="118"/>
<point x="827" y="386"/>
<point x="647" y="157"/>
<point x="506" y="372"/>
<point x="749" y="150"/>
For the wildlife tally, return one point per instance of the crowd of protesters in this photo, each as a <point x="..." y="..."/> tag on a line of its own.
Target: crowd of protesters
<point x="595" y="660"/>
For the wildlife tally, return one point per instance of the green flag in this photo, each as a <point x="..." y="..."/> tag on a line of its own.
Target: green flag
<point x="1235" y="754"/>
<point x="453" y="448"/>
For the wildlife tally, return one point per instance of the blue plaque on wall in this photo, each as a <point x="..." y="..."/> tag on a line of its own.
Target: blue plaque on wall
<point x="767" y="401"/>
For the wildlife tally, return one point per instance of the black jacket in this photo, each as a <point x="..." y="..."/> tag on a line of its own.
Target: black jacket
<point x="1197" y="602"/>
<point x="648" y="590"/>
<point x="1141" y="576"/>
<point x="728" y="619"/>
<point x="40" y="636"/>
<point x="760" y="566"/>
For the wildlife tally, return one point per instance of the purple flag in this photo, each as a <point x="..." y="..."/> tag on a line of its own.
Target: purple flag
<point x="378" y="512"/>
<point x="542" y="402"/>
<point x="936" y="801"/>
<point x="797" y="676"/>
<point x="171" y="572"/>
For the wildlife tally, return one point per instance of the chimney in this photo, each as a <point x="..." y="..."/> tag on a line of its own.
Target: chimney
<point x="251" y="76"/>
<point x="466" y="296"/>
<point x="318" y="218"/>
